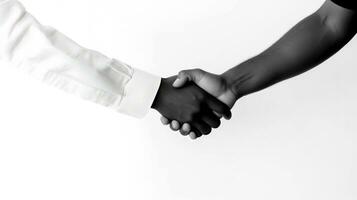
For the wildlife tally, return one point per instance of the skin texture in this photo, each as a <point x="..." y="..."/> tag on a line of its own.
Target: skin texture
<point x="189" y="104"/>
<point x="309" y="43"/>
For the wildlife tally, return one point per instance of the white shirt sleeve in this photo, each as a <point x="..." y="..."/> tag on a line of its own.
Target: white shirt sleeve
<point x="58" y="61"/>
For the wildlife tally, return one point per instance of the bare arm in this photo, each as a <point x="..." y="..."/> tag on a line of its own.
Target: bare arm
<point x="309" y="43"/>
<point x="306" y="45"/>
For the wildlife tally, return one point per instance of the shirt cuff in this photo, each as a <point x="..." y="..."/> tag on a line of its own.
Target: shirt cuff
<point x="139" y="94"/>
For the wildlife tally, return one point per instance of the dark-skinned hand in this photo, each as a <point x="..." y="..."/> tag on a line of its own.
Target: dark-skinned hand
<point x="190" y="104"/>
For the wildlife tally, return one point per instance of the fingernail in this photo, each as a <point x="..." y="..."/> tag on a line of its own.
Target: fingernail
<point x="192" y="135"/>
<point x="175" y="84"/>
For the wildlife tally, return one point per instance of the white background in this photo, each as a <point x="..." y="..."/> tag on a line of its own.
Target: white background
<point x="296" y="140"/>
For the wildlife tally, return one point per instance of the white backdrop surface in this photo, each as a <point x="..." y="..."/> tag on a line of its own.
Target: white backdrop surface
<point x="296" y="140"/>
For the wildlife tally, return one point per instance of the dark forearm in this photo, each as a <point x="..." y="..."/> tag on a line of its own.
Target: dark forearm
<point x="309" y="43"/>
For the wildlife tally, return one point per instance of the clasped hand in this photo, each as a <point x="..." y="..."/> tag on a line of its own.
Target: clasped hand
<point x="194" y="102"/>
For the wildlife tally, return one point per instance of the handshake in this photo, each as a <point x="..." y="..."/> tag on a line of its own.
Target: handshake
<point x="194" y="102"/>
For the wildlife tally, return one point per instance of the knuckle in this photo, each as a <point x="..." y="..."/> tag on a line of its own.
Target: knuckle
<point x="193" y="116"/>
<point x="200" y="96"/>
<point x="203" y="106"/>
<point x="196" y="109"/>
<point x="189" y="115"/>
<point x="190" y="118"/>
<point x="182" y="73"/>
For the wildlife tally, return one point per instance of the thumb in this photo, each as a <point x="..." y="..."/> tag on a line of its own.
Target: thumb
<point x="181" y="80"/>
<point x="185" y="76"/>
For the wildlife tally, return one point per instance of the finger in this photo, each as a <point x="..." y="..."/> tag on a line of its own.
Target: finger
<point x="180" y="81"/>
<point x="198" y="135"/>
<point x="185" y="129"/>
<point x="218" y="115"/>
<point x="164" y="120"/>
<point x="219" y="107"/>
<point x="201" y="128"/>
<point x="185" y="76"/>
<point x="175" y="125"/>
<point x="211" y="119"/>
<point x="193" y="135"/>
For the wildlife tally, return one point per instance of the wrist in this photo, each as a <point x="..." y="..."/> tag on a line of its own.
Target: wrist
<point x="231" y="86"/>
<point x="156" y="102"/>
<point x="244" y="79"/>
